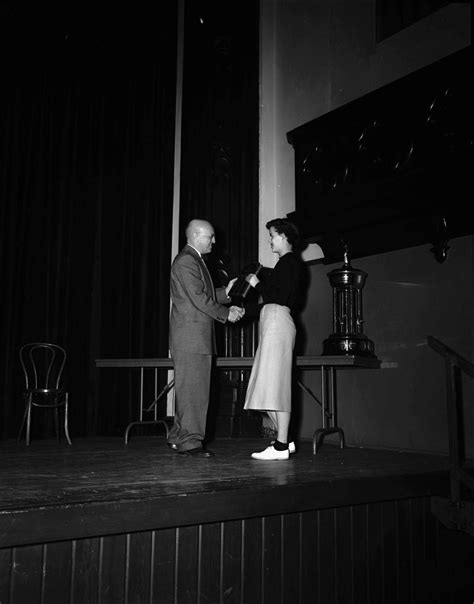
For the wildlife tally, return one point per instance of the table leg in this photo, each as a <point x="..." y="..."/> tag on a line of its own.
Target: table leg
<point x="329" y="420"/>
<point x="164" y="391"/>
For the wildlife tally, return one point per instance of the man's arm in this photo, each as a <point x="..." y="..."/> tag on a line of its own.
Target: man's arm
<point x="190" y="288"/>
<point x="222" y="293"/>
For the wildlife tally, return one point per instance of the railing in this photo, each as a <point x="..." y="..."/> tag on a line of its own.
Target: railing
<point x="455" y="364"/>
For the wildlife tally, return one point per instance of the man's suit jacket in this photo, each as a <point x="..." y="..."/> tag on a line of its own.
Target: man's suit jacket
<point x="195" y="304"/>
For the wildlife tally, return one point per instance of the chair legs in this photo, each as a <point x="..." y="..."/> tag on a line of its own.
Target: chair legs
<point x="25" y="414"/>
<point x="56" y="423"/>
<point x="66" y="428"/>
<point x="27" y="419"/>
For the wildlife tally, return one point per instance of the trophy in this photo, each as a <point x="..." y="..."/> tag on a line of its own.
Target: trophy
<point x="348" y="337"/>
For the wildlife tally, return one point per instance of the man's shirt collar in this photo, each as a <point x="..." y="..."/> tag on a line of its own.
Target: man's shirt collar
<point x="195" y="249"/>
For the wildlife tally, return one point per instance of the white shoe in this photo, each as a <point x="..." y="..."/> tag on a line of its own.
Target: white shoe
<point x="271" y="454"/>
<point x="291" y="446"/>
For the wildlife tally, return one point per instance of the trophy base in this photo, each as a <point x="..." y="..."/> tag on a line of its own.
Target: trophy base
<point x="348" y="345"/>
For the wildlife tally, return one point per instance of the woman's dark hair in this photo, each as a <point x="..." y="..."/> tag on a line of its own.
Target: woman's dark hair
<point x="285" y="227"/>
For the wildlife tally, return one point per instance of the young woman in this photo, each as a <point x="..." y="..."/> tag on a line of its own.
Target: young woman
<point x="269" y="387"/>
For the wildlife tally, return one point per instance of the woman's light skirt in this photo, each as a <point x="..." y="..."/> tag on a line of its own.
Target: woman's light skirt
<point x="269" y="387"/>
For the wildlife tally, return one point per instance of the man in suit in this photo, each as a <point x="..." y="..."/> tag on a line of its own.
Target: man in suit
<point x="195" y="307"/>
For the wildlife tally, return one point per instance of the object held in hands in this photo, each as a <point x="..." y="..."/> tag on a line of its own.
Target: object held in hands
<point x="241" y="287"/>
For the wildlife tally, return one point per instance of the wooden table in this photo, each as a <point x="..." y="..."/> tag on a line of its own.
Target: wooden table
<point x="326" y="364"/>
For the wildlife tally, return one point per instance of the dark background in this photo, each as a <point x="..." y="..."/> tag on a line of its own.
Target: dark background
<point x="87" y="124"/>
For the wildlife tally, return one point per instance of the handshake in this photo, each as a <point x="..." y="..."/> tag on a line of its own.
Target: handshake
<point x="251" y="280"/>
<point x="235" y="312"/>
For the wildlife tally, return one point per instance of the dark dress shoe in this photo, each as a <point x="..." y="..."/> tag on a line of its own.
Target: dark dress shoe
<point x="197" y="452"/>
<point x="173" y="446"/>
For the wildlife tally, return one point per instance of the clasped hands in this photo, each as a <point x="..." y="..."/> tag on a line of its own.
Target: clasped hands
<point x="235" y="314"/>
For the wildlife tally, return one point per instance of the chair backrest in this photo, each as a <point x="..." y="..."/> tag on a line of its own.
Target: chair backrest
<point x="43" y="365"/>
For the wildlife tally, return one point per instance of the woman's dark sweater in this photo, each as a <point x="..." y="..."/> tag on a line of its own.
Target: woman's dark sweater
<point x="283" y="285"/>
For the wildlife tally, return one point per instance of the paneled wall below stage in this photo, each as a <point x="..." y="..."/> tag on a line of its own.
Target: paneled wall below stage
<point x="394" y="551"/>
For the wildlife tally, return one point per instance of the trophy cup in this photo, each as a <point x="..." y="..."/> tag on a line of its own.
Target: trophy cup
<point x="348" y="337"/>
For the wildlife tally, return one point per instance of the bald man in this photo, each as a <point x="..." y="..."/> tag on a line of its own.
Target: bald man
<point x="195" y="307"/>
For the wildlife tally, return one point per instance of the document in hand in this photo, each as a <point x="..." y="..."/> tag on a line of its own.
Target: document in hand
<point x="241" y="287"/>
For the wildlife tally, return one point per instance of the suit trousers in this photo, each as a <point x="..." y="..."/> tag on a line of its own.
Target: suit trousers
<point x="192" y="377"/>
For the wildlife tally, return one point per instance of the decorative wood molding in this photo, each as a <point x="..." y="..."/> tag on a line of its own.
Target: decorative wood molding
<point x="391" y="169"/>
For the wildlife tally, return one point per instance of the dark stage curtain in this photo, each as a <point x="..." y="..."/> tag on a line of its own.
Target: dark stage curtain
<point x="219" y="161"/>
<point x="87" y="145"/>
<point x="219" y="170"/>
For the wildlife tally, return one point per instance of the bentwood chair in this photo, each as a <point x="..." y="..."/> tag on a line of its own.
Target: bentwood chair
<point x="43" y="366"/>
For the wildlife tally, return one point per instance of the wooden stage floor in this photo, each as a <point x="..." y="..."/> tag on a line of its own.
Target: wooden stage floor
<point x="105" y="522"/>
<point x="52" y="491"/>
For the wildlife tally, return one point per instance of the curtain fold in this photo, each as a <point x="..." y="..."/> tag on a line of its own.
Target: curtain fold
<point x="219" y="161"/>
<point x="87" y="131"/>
